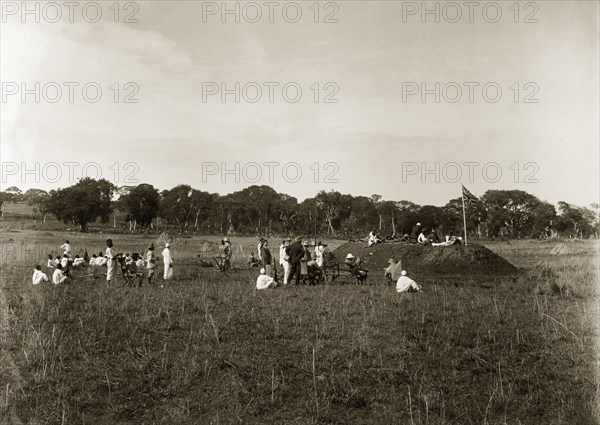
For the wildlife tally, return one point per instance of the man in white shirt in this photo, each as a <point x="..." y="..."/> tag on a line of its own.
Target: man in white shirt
<point x="58" y="277"/>
<point x="263" y="281"/>
<point x="319" y="253"/>
<point x="39" y="276"/>
<point x="284" y="259"/>
<point x="406" y="284"/>
<point x="168" y="262"/>
<point x="66" y="247"/>
<point x="110" y="262"/>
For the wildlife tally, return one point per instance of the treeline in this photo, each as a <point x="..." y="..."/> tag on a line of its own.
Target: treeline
<point x="260" y="210"/>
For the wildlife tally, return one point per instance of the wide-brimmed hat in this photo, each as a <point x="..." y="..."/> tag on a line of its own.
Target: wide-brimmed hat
<point x="262" y="239"/>
<point x="349" y="256"/>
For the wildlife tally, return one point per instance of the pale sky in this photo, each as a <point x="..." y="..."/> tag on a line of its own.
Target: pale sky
<point x="370" y="134"/>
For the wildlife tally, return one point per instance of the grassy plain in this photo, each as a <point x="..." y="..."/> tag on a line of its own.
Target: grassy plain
<point x="209" y="348"/>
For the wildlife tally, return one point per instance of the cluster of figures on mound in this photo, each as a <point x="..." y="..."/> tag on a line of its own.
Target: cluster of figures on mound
<point x="61" y="266"/>
<point x="418" y="235"/>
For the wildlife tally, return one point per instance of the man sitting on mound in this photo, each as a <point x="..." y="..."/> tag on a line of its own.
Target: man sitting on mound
<point x="406" y="284"/>
<point x="264" y="281"/>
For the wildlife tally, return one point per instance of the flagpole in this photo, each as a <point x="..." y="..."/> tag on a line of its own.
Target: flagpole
<point x="462" y="197"/>
<point x="315" y="228"/>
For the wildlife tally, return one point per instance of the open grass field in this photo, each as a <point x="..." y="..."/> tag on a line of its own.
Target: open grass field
<point x="209" y="348"/>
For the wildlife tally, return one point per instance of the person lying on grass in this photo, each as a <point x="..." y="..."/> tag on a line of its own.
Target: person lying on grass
<point x="38" y="276"/>
<point x="78" y="261"/>
<point x="264" y="281"/>
<point x="406" y="284"/>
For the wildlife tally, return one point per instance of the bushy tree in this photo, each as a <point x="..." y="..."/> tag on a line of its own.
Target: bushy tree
<point x="141" y="204"/>
<point x="83" y="203"/>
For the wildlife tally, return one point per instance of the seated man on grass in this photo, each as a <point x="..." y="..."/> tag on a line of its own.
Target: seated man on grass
<point x="253" y="261"/>
<point x="38" y="276"/>
<point x="406" y="284"/>
<point x="265" y="281"/>
<point x="58" y="277"/>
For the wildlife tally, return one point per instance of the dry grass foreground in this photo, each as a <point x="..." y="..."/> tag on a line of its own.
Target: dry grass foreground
<point x="209" y="348"/>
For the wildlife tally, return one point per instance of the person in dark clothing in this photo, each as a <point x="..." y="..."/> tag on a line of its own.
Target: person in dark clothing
<point x="415" y="232"/>
<point x="295" y="253"/>
<point x="266" y="257"/>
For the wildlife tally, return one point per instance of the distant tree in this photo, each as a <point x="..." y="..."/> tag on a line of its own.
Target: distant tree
<point x="389" y="210"/>
<point x="202" y="206"/>
<point x="574" y="221"/>
<point x="141" y="204"/>
<point x="408" y="215"/>
<point x="176" y="206"/>
<point x="363" y="216"/>
<point x="83" y="203"/>
<point x="39" y="200"/>
<point x="335" y="207"/>
<point x="544" y="216"/>
<point x="512" y="209"/>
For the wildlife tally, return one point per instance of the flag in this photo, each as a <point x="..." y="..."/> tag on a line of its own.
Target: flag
<point x="468" y="197"/>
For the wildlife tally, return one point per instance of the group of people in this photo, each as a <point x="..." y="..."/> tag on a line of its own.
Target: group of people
<point x="292" y="253"/>
<point x="418" y="236"/>
<point x="132" y="263"/>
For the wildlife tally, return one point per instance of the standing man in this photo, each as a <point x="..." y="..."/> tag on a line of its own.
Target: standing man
<point x="228" y="252"/>
<point x="267" y="258"/>
<point x="168" y="262"/>
<point x="259" y="248"/>
<point x="295" y="254"/>
<point x="307" y="254"/>
<point x="110" y="261"/>
<point x="150" y="263"/>
<point x="415" y="232"/>
<point x="66" y="247"/>
<point x="284" y="259"/>
<point x="320" y="253"/>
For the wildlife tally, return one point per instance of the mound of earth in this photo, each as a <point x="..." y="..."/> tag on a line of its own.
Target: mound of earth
<point x="163" y="239"/>
<point x="430" y="260"/>
<point x="562" y="249"/>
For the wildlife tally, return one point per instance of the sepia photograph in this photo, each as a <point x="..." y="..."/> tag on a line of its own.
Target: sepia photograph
<point x="300" y="212"/>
